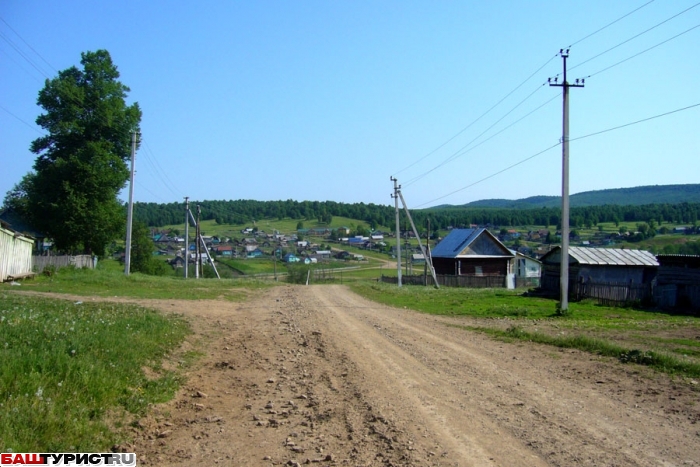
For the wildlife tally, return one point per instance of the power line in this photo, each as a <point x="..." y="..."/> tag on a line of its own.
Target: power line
<point x="636" y="122"/>
<point x="159" y="172"/>
<point x="610" y="24"/>
<point x="33" y="76"/>
<point x="27" y="44"/>
<point x="505" y="97"/>
<point x="459" y="152"/>
<point x="507" y="127"/>
<point x="153" y="194"/>
<point x="491" y="176"/>
<point x="12" y="44"/>
<point x="642" y="52"/>
<point x="479" y="117"/>
<point x="29" y="125"/>
<point x="635" y="36"/>
<point x="552" y="147"/>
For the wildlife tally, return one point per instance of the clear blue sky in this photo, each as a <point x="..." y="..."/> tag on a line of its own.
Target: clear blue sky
<point x="325" y="100"/>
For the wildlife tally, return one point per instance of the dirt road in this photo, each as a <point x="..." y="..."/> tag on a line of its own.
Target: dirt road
<point x="317" y="375"/>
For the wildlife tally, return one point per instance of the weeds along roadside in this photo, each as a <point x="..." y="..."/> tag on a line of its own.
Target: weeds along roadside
<point x="666" y="342"/>
<point x="72" y="372"/>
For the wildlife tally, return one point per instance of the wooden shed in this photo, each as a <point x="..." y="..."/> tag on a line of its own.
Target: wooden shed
<point x="15" y="254"/>
<point x="678" y="282"/>
<point x="599" y="266"/>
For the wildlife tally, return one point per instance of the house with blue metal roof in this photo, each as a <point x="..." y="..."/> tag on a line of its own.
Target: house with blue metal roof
<point x="474" y="252"/>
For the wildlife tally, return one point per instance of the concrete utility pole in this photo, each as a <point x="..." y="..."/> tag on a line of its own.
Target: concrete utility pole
<point x="398" y="229"/>
<point x="564" y="276"/>
<point x="130" y="212"/>
<point x="187" y="235"/>
<point x="198" y="260"/>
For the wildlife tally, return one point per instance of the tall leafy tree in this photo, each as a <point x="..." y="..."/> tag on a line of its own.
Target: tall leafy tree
<point x="82" y="161"/>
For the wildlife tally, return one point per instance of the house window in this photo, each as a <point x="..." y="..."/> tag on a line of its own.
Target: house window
<point x="478" y="271"/>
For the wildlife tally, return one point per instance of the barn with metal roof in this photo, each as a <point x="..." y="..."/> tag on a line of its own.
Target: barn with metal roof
<point x="599" y="265"/>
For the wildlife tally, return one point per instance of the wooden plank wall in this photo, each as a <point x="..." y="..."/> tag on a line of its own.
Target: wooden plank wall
<point x="452" y="281"/>
<point x="15" y="255"/>
<point x="79" y="261"/>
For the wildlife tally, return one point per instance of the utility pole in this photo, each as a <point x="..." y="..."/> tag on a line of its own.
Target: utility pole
<point x="130" y="212"/>
<point x="198" y="258"/>
<point x="425" y="255"/>
<point x="420" y="244"/>
<point x="398" y="229"/>
<point x="187" y="234"/>
<point x="564" y="276"/>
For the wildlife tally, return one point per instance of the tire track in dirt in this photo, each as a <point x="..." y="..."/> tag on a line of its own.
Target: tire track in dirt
<point x="320" y="376"/>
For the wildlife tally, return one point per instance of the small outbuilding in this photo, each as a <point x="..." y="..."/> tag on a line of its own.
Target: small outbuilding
<point x="15" y="254"/>
<point x="599" y="265"/>
<point x="678" y="282"/>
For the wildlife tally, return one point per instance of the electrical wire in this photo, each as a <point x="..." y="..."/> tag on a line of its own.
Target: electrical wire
<point x="29" y="125"/>
<point x="27" y="44"/>
<point x="152" y="160"/>
<point x="459" y="152"/>
<point x="507" y="127"/>
<point x="491" y="176"/>
<point x="478" y="118"/>
<point x="505" y="97"/>
<point x="642" y="52"/>
<point x="634" y="123"/>
<point x="634" y="37"/>
<point x="158" y="171"/>
<point x="558" y="144"/>
<point x="152" y="194"/>
<point x="610" y="24"/>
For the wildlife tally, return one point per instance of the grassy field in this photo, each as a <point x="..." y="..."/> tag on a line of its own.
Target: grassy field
<point x="108" y="280"/>
<point x="669" y="343"/>
<point x="286" y="226"/>
<point x="72" y="372"/>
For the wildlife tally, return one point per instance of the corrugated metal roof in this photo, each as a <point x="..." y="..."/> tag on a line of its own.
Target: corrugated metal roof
<point x="612" y="256"/>
<point x="454" y="242"/>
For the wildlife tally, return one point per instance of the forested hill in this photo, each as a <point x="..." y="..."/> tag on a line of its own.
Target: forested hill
<point x="637" y="196"/>
<point x="377" y="216"/>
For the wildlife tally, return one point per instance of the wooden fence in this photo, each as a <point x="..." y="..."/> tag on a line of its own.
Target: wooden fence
<point x="15" y="255"/>
<point x="474" y="282"/>
<point x="58" y="262"/>
<point x="612" y="293"/>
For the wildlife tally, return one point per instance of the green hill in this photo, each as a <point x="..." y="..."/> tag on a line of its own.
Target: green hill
<point x="636" y="196"/>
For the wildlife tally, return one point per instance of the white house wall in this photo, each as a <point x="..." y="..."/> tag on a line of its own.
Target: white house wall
<point x="15" y="254"/>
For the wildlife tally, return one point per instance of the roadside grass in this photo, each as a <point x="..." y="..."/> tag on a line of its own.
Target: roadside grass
<point x="72" y="373"/>
<point x="659" y="361"/>
<point x="663" y="341"/>
<point x="106" y="281"/>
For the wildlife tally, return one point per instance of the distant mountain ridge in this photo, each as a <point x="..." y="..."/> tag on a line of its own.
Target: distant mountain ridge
<point x="636" y="196"/>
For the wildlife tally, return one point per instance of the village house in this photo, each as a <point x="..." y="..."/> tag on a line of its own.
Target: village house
<point x="474" y="252"/>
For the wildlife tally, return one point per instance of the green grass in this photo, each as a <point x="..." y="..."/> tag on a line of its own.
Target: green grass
<point x="109" y="281"/>
<point x="70" y="372"/>
<point x="652" y="338"/>
<point x="659" y="361"/>
<point x="286" y="226"/>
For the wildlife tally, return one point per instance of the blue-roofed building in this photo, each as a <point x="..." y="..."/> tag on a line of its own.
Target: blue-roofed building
<point x="471" y="252"/>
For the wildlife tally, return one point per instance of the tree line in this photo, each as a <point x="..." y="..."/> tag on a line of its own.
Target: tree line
<point x="240" y="212"/>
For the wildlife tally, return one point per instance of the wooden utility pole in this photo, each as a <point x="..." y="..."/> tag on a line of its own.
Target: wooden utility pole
<point x="398" y="229"/>
<point x="130" y="212"/>
<point x="187" y="235"/>
<point x="564" y="265"/>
